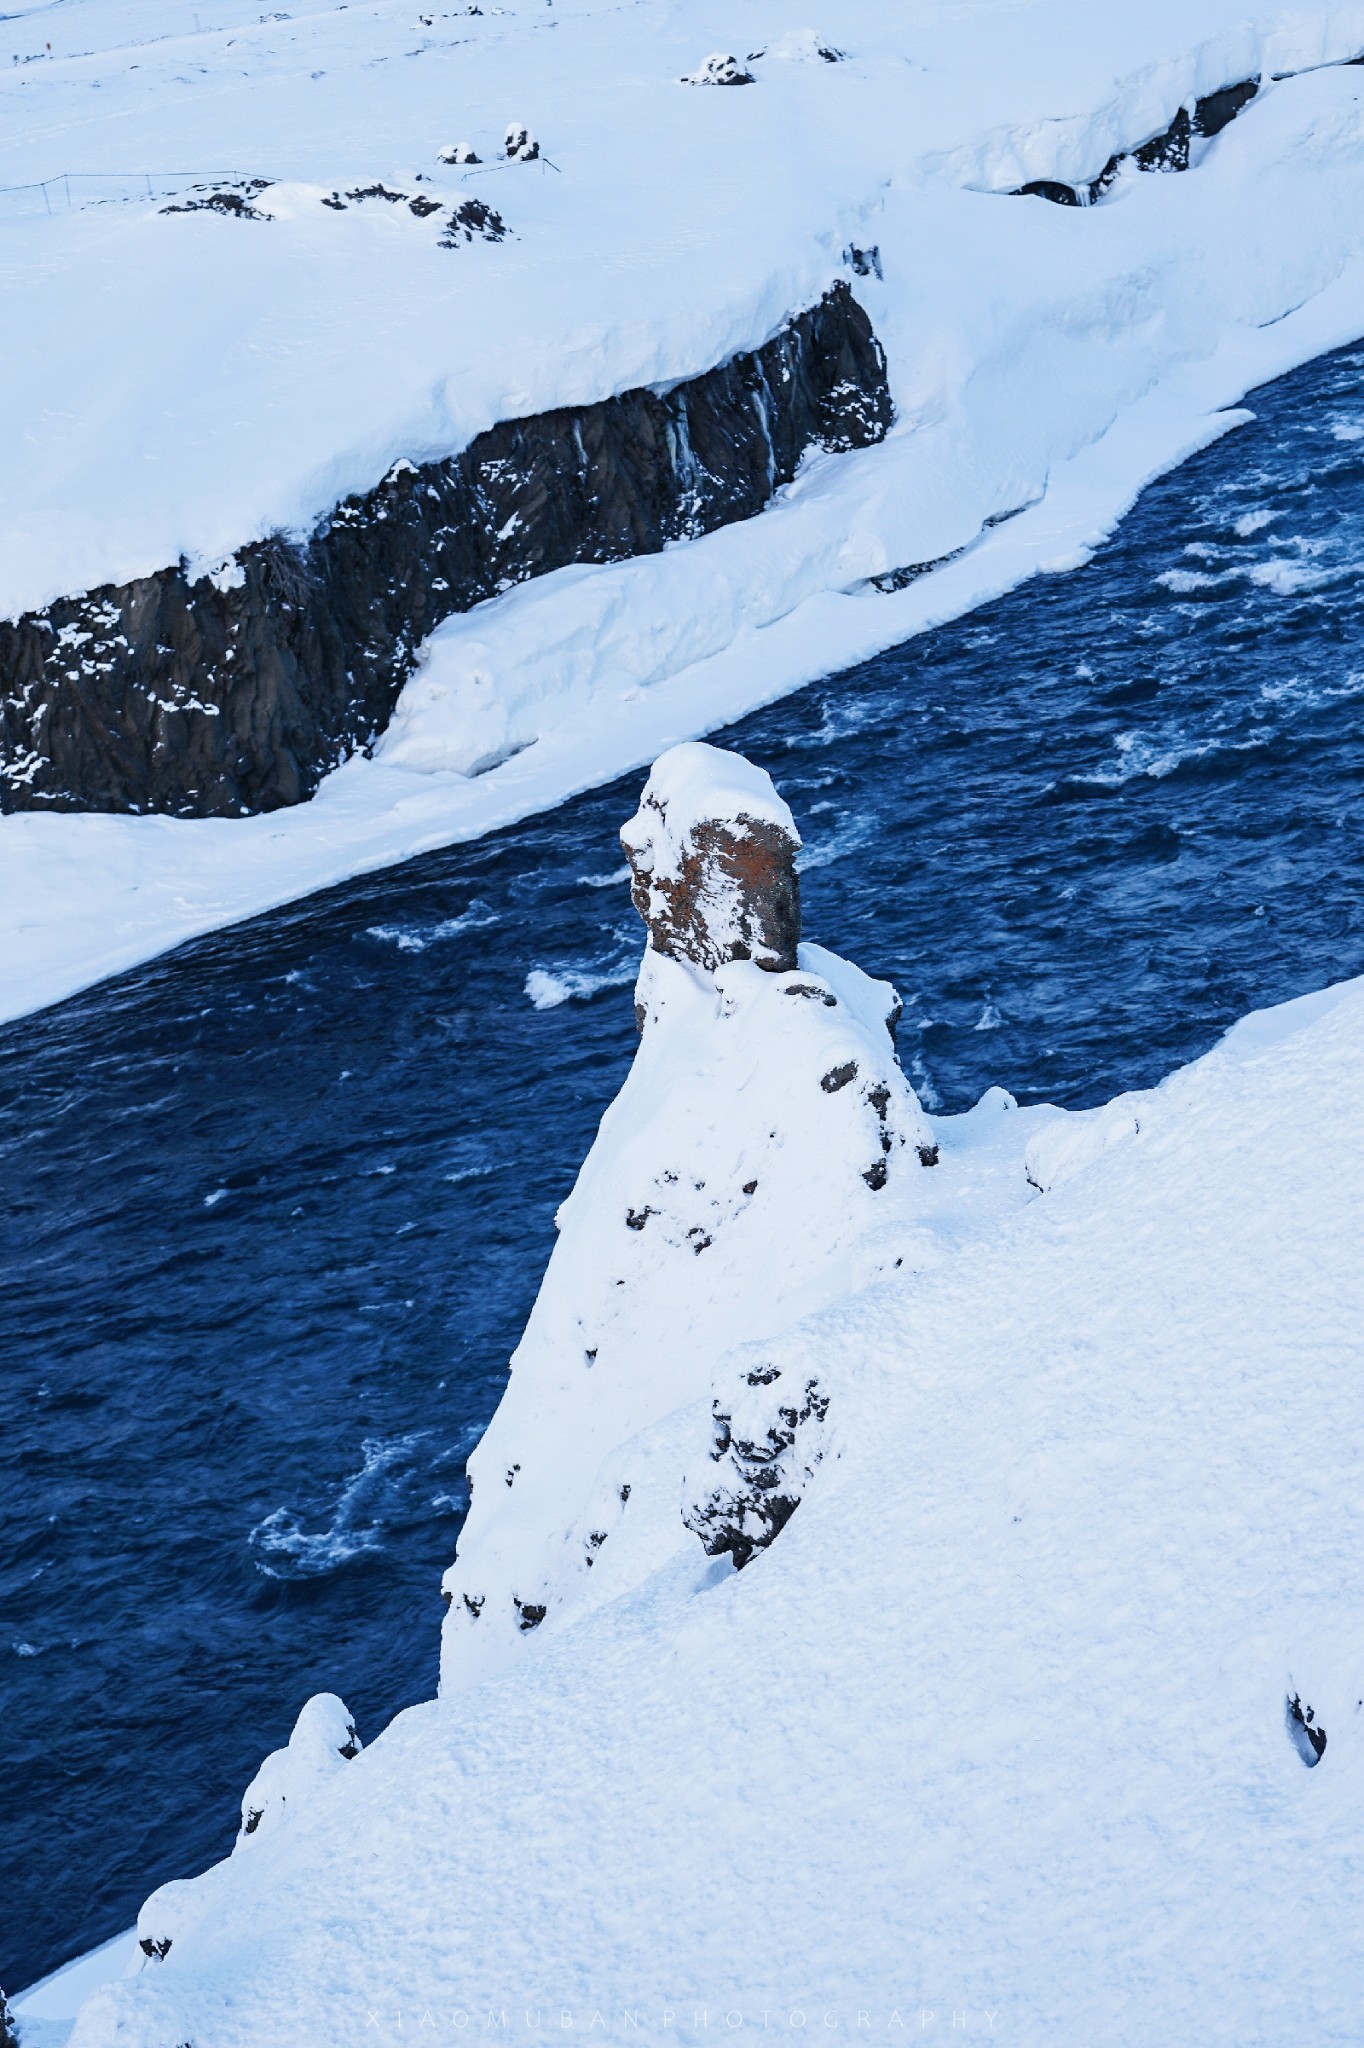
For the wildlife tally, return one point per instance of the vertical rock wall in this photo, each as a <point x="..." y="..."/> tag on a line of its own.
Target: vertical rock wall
<point x="238" y="691"/>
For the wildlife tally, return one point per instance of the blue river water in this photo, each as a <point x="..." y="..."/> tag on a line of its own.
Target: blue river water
<point x="276" y="1206"/>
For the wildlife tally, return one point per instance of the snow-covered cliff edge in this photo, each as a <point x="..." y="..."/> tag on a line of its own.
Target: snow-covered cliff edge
<point x="1044" y="360"/>
<point x="1000" y="1722"/>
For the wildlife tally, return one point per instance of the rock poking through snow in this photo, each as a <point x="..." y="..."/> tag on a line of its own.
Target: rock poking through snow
<point x="763" y="1134"/>
<point x="770" y="1435"/>
<point x="712" y="852"/>
<point x="520" y="145"/>
<point x="719" y="70"/>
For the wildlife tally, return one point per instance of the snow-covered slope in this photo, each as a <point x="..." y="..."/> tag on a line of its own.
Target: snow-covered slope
<point x="1000" y="1727"/>
<point x="182" y="383"/>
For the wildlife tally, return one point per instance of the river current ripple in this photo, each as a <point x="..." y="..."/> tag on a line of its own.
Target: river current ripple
<point x="276" y="1206"/>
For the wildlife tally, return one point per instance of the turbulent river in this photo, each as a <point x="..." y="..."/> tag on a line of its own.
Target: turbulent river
<point x="276" y="1206"/>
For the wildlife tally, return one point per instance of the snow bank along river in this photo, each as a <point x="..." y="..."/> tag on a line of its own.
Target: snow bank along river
<point x="279" y="1204"/>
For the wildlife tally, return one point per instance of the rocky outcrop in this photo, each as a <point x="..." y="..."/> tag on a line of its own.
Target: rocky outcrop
<point x="236" y="690"/>
<point x="713" y="863"/>
<point x="770" y="1435"/>
<point x="764" y="1137"/>
<point x="9" y="2033"/>
<point x="1168" y="151"/>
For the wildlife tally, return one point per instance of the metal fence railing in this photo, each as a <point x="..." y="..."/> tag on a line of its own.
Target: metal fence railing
<point x="70" y="191"/>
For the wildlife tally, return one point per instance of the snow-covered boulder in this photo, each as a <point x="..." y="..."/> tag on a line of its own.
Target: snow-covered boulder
<point x="1074" y="1139"/>
<point x="459" y="153"/>
<point x="719" y="69"/>
<point x="800" y="46"/>
<point x="771" y="1433"/>
<point x="763" y="1134"/>
<point x="520" y="145"/>
<point x="323" y="1742"/>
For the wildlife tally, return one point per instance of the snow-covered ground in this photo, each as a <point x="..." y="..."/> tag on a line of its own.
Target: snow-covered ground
<point x="182" y="383"/>
<point x="994" y="1737"/>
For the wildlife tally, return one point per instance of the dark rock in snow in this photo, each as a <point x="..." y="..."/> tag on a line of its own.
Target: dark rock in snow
<point x="215" y="694"/>
<point x="520" y="145"/>
<point x="1212" y="113"/>
<point x="1168" y="151"/>
<point x="1303" y="1732"/>
<point x="719" y="70"/>
<point x="9" y="2033"/>
<point x="234" y="199"/>
<point x="767" y="1444"/>
<point x="715" y="889"/>
<point x="472" y="220"/>
<point x="839" y="1077"/>
<point x="863" y="262"/>
<point x="1049" y="188"/>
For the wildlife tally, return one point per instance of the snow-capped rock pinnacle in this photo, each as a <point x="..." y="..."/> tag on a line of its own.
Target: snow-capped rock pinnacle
<point x="758" y="1162"/>
<point x="712" y="851"/>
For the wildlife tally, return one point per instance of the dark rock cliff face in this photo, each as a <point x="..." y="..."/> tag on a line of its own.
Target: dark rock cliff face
<point x="239" y="691"/>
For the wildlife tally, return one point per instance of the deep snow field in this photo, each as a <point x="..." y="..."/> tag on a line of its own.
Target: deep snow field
<point x="182" y="383"/>
<point x="1015" y="1728"/>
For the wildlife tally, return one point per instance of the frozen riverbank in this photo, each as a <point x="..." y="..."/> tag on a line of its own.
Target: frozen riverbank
<point x="1040" y="356"/>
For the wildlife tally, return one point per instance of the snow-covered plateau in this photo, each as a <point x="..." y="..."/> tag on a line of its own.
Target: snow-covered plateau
<point x="919" y="1562"/>
<point x="182" y="383"/>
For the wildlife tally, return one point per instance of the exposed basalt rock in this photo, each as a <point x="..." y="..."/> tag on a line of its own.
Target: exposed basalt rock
<point x="238" y="690"/>
<point x="715" y="888"/>
<point x="719" y="69"/>
<point x="472" y="221"/>
<point x="768" y="1442"/>
<point x="1304" y="1732"/>
<point x="1168" y="151"/>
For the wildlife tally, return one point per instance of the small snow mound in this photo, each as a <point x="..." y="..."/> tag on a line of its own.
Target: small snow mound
<point x="801" y="46"/>
<point x="323" y="1740"/>
<point x="458" y="153"/>
<point x="520" y="145"/>
<point x="718" y="69"/>
<point x="1076" y="1139"/>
